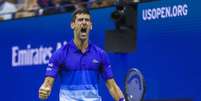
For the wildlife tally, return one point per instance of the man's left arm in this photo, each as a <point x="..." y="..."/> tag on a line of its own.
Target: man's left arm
<point x="107" y="75"/>
<point x="114" y="90"/>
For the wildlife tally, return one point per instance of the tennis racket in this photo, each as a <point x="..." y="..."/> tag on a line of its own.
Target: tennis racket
<point x="134" y="85"/>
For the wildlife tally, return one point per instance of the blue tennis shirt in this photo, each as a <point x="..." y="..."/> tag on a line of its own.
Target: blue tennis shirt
<point x="79" y="72"/>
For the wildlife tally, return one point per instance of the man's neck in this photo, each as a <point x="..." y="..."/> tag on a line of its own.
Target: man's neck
<point x="81" y="44"/>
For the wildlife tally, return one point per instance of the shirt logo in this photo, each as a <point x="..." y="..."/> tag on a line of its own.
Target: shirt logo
<point x="109" y="66"/>
<point x="95" y="61"/>
<point x="50" y="65"/>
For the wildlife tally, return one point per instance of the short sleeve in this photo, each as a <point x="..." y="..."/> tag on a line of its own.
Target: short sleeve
<point x="106" y="70"/>
<point x="55" y="62"/>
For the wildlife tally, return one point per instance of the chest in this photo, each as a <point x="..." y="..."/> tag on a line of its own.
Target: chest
<point x="80" y="61"/>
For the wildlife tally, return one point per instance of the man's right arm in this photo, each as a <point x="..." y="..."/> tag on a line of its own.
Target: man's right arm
<point x="46" y="88"/>
<point x="54" y="64"/>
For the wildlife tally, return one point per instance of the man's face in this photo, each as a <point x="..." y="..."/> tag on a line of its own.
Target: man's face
<point x="81" y="26"/>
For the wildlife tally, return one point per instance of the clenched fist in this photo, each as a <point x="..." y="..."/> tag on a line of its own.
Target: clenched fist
<point x="46" y="87"/>
<point x="44" y="92"/>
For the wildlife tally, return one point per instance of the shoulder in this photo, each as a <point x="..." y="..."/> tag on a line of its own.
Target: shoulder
<point x="63" y="48"/>
<point x="97" y="49"/>
<point x="60" y="53"/>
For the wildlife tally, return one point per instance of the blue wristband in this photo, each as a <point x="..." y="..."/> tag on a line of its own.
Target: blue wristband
<point x="121" y="99"/>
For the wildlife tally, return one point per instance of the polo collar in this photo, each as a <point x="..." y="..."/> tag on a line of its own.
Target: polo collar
<point x="76" y="49"/>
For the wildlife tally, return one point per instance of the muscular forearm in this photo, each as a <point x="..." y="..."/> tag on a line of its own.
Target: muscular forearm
<point x="114" y="90"/>
<point x="48" y="81"/>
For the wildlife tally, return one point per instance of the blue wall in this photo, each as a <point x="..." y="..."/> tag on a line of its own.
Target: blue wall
<point x="168" y="52"/>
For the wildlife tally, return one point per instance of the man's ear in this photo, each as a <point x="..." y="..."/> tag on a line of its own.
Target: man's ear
<point x="72" y="25"/>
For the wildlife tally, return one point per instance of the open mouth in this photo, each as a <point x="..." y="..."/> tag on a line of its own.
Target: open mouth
<point x="83" y="30"/>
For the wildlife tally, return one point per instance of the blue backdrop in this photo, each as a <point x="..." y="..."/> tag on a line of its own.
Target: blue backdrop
<point x="168" y="51"/>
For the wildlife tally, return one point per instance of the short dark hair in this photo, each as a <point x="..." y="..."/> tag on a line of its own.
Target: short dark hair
<point x="79" y="11"/>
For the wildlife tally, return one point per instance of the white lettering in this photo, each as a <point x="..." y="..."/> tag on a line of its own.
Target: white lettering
<point x="32" y="56"/>
<point x="165" y="12"/>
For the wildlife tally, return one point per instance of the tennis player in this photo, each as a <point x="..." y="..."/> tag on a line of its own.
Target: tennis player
<point x="79" y="65"/>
